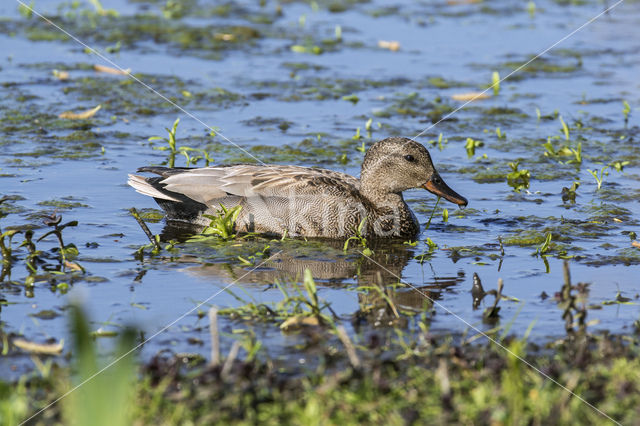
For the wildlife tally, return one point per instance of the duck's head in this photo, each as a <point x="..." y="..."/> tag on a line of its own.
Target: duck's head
<point x="396" y="164"/>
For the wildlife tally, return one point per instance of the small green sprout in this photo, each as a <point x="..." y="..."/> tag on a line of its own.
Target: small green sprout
<point x="619" y="165"/>
<point x="223" y="224"/>
<point x="357" y="136"/>
<point x="359" y="239"/>
<point x="440" y="142"/>
<point x="531" y="8"/>
<point x="171" y="141"/>
<point x="309" y="48"/>
<point x="518" y="179"/>
<point x="431" y="247"/>
<point x="338" y="33"/>
<point x="433" y="212"/>
<point x="445" y="215"/>
<point x="538" y="114"/>
<point x="26" y="10"/>
<point x="354" y="99"/>
<point x="367" y="127"/>
<point x="544" y="247"/>
<point x="577" y="154"/>
<point x="625" y="111"/>
<point x="565" y="128"/>
<point x="471" y="146"/>
<point x="68" y="251"/>
<point x="500" y="134"/>
<point x="599" y="177"/>
<point x="495" y="83"/>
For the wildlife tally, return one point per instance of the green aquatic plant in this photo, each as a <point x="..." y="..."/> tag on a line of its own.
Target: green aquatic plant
<point x="367" y="127"/>
<point x="531" y="9"/>
<point x="626" y="109"/>
<point x="171" y="141"/>
<point x="26" y="10"/>
<point x="471" y="146"/>
<point x="518" y="179"/>
<point x="619" y="165"/>
<point x="174" y="9"/>
<point x="569" y="194"/>
<point x="565" y="128"/>
<point x="223" y="224"/>
<point x="500" y="134"/>
<point x="495" y="83"/>
<point x="308" y="48"/>
<point x="440" y="142"/>
<point x="67" y="251"/>
<point x="599" y="176"/>
<point x="260" y="254"/>
<point x="100" y="10"/>
<point x="357" y="136"/>
<point x="174" y="149"/>
<point x="359" y="238"/>
<point x="6" y="251"/>
<point x="338" y="33"/>
<point x="354" y="99"/>
<point x="563" y="152"/>
<point x="303" y="308"/>
<point x="544" y="247"/>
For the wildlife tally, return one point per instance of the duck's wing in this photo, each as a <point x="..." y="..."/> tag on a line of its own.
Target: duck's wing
<point x="208" y="184"/>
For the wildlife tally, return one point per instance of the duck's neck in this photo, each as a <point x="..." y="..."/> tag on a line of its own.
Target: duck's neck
<point x="391" y="215"/>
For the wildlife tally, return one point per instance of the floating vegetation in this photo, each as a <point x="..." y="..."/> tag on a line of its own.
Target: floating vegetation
<point x="518" y="179"/>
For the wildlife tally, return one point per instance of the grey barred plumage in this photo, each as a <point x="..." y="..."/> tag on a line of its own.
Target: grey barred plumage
<point x="302" y="201"/>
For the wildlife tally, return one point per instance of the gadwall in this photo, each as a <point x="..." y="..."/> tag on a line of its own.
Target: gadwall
<point x="301" y="201"/>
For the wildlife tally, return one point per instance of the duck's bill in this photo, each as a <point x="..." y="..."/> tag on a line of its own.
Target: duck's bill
<point x="438" y="187"/>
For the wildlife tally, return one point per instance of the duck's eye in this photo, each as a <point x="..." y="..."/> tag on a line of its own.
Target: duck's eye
<point x="409" y="158"/>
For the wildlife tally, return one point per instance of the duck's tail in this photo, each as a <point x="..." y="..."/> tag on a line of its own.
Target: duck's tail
<point x="145" y="187"/>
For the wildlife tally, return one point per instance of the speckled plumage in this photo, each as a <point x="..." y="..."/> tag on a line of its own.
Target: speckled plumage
<point x="301" y="201"/>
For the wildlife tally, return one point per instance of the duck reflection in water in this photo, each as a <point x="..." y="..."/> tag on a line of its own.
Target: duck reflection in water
<point x="383" y="300"/>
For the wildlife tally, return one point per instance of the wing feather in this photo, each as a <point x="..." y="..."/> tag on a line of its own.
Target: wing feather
<point x="206" y="185"/>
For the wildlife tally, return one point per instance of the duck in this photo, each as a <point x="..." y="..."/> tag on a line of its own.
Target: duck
<point x="297" y="201"/>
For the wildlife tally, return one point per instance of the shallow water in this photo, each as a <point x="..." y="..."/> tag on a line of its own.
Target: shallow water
<point x="283" y="106"/>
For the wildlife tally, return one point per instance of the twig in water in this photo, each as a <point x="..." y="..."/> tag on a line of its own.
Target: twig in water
<point x="145" y="228"/>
